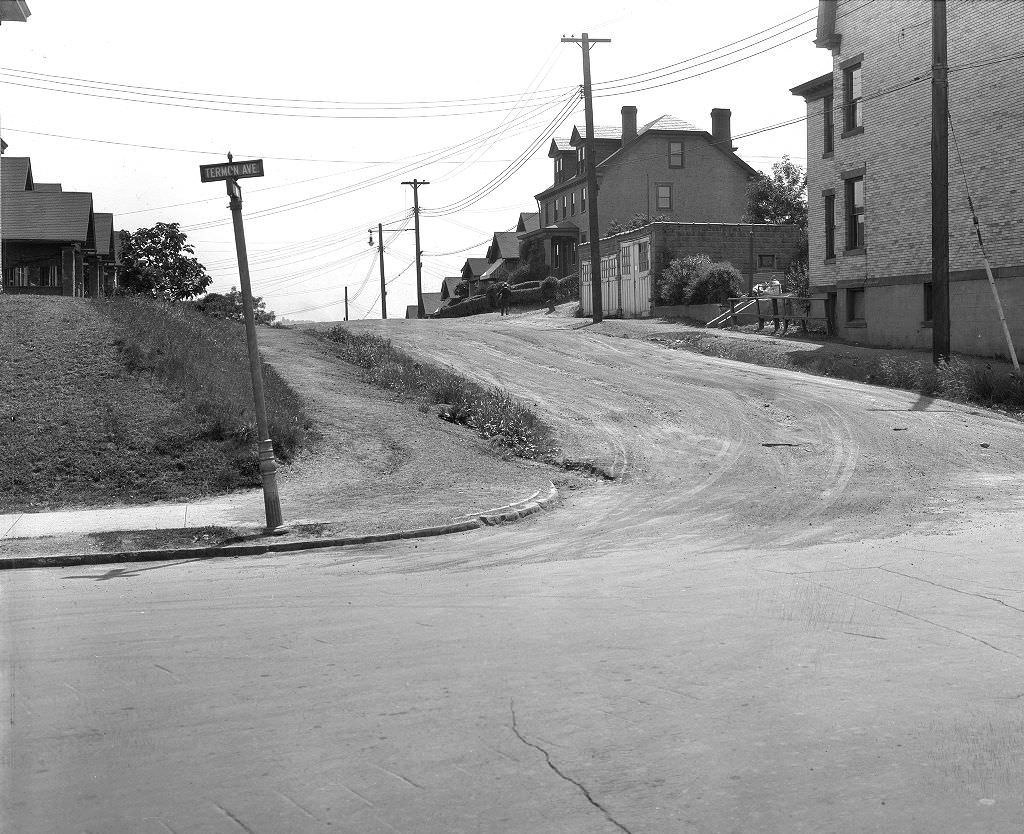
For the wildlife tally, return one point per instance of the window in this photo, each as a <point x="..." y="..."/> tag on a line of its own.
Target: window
<point x="854" y="116"/>
<point x="644" y="257"/>
<point x="572" y="203"/>
<point x="554" y="255"/>
<point x="565" y="205"/>
<point x="855" y="305"/>
<point x="664" y="197"/>
<point x="830" y="227"/>
<point x="581" y="159"/>
<point x="855" y="213"/>
<point x="572" y="252"/>
<point x="547" y="213"/>
<point x="927" y="310"/>
<point x="32" y="276"/>
<point x="583" y="200"/>
<point x="555" y="209"/>
<point x="585" y="272"/>
<point x="625" y="259"/>
<point x="675" y="154"/>
<point x="830" y="124"/>
<point x="558" y="169"/>
<point x="766" y="262"/>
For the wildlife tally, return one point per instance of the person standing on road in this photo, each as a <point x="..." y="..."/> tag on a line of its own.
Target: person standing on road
<point x="504" y="297"/>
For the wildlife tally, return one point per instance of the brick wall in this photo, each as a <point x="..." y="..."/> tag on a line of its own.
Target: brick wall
<point x="709" y="188"/>
<point x="986" y="104"/>
<point x="719" y="241"/>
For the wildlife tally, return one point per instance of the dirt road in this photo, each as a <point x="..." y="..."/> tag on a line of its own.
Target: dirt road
<point x="735" y="454"/>
<point x="732" y="637"/>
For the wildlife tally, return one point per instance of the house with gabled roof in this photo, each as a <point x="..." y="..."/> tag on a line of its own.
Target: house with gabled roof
<point x="46" y="235"/>
<point x="450" y="287"/>
<point x="668" y="168"/>
<point x="472" y="270"/>
<point x="502" y="258"/>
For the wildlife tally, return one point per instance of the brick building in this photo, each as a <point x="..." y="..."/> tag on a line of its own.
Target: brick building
<point x="667" y="167"/>
<point x="869" y="170"/>
<point x="631" y="261"/>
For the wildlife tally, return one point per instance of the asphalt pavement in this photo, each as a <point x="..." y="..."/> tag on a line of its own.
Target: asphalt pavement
<point x="797" y="609"/>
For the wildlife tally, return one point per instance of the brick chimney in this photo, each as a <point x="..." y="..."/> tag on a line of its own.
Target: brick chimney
<point x="721" y="127"/>
<point x="628" y="124"/>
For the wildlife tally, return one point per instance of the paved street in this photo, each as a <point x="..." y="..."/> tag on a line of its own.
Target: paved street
<point x="818" y="634"/>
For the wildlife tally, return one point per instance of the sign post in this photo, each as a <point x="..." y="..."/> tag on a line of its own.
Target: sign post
<point x="230" y="173"/>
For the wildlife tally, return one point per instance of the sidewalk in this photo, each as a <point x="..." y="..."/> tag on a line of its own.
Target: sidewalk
<point x="219" y="527"/>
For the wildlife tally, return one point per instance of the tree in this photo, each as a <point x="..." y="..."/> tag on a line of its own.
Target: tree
<point x="639" y="219"/>
<point x="229" y="306"/>
<point x="161" y="263"/>
<point x="780" y="198"/>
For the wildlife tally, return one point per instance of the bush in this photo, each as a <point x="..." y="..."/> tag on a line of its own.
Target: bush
<point x="714" y="285"/>
<point x="492" y="295"/>
<point x="463" y="307"/>
<point x="675" y="280"/>
<point x="549" y="288"/>
<point x="493" y="412"/>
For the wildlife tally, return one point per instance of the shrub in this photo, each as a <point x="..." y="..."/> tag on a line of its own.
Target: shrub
<point x="493" y="412"/>
<point x="675" y="279"/>
<point x="549" y="288"/>
<point x="715" y="284"/>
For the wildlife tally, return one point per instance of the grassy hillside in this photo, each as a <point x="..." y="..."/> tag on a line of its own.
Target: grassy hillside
<point x="127" y="401"/>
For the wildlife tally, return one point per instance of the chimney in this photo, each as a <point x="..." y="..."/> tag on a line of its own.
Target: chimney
<point x="721" y="127"/>
<point x="628" y="124"/>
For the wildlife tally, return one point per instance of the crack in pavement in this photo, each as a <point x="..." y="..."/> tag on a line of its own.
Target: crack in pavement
<point x="951" y="588"/>
<point x="569" y="779"/>
<point x="897" y="610"/>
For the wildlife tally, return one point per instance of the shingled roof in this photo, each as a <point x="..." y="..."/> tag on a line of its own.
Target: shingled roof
<point x="600" y="132"/>
<point x="16" y="172"/>
<point x="503" y="245"/>
<point x="48" y="186"/>
<point x="667" y="122"/>
<point x="64" y="217"/>
<point x="528" y="222"/>
<point x="477" y="266"/>
<point x="104" y="233"/>
<point x="560" y="145"/>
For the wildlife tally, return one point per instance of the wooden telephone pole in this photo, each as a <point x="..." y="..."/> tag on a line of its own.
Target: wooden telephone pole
<point x="940" y="186"/>
<point x="380" y="257"/>
<point x="588" y="149"/>
<point x="346" y="303"/>
<point x="419" y="263"/>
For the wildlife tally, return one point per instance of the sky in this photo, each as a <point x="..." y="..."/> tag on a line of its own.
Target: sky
<point x="345" y="101"/>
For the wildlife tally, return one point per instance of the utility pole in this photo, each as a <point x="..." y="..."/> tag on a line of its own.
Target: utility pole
<point x="940" y="186"/>
<point x="380" y="257"/>
<point x="346" y="303"/>
<point x="419" y="263"/>
<point x="588" y="149"/>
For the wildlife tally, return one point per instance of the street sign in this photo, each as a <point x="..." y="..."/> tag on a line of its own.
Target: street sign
<point x="231" y="170"/>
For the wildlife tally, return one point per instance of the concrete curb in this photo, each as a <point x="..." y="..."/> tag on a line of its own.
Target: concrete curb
<point x="500" y="515"/>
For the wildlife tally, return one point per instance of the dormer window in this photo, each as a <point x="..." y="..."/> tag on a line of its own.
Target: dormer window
<point x="558" y="169"/>
<point x="581" y="158"/>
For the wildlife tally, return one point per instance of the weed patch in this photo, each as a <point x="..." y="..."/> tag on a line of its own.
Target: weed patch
<point x="492" y="412"/>
<point x="957" y="380"/>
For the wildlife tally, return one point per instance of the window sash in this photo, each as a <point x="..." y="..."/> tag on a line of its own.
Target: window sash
<point x="855" y="213"/>
<point x="854" y="111"/>
<point x="830" y="226"/>
<point x="644" y="257"/>
<point x="675" y="154"/>
<point x="572" y="203"/>
<point x="830" y="124"/>
<point x="583" y="199"/>
<point x="664" y="197"/>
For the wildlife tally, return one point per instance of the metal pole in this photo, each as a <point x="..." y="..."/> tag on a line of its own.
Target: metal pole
<point x="383" y="286"/>
<point x="268" y="466"/>
<point x="940" y="187"/>
<point x="346" y="303"/>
